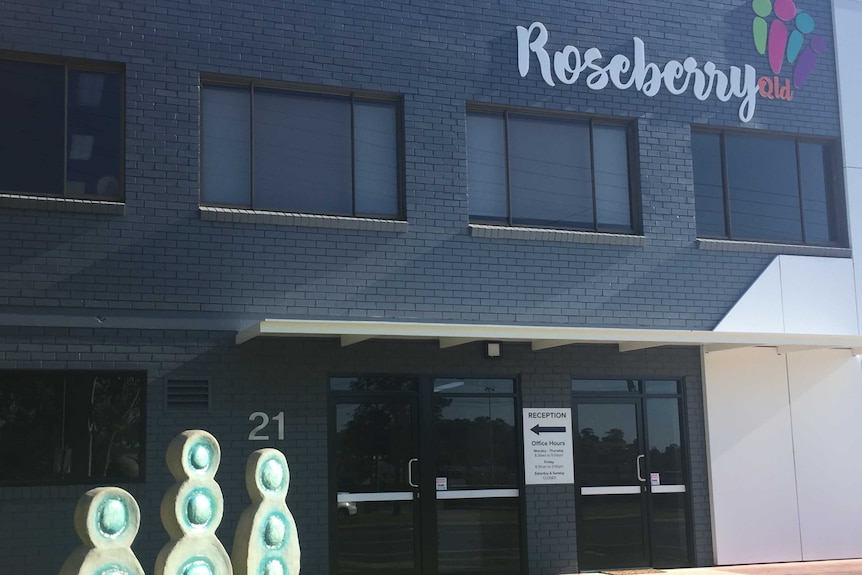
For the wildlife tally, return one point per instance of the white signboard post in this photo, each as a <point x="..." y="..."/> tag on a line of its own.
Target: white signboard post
<point x="548" y="452"/>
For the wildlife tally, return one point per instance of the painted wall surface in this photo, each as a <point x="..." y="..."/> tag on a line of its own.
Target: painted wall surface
<point x="752" y="478"/>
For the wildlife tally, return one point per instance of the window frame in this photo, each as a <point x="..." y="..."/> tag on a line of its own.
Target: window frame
<point x="82" y="65"/>
<point x="834" y="180"/>
<point x="61" y="374"/>
<point x="632" y="165"/>
<point x="217" y="80"/>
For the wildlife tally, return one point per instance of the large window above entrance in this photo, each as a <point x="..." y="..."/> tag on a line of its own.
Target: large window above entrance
<point x="548" y="171"/>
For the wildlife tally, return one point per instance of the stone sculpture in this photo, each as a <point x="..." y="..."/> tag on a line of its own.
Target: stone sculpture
<point x="266" y="541"/>
<point x="107" y="520"/>
<point x="192" y="509"/>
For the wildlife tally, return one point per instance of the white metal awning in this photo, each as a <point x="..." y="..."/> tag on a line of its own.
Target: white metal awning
<point x="540" y="337"/>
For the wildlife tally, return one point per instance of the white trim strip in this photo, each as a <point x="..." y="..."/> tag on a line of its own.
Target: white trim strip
<point x="390" y="496"/>
<point x="538" y="335"/>
<point x="668" y="488"/>
<point x="612" y="490"/>
<point x="477" y="494"/>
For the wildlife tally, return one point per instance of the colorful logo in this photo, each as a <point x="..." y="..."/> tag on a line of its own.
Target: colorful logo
<point x="784" y="34"/>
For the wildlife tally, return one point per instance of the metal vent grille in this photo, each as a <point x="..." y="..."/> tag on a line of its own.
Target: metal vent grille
<point x="188" y="393"/>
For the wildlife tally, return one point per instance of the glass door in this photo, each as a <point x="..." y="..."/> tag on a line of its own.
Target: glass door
<point x="375" y="460"/>
<point x="630" y="474"/>
<point x="610" y="483"/>
<point x="426" y="473"/>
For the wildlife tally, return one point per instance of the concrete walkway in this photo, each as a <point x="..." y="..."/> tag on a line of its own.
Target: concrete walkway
<point x="844" y="567"/>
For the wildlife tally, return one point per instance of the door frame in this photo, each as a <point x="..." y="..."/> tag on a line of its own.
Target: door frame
<point x="425" y="518"/>
<point x="640" y="398"/>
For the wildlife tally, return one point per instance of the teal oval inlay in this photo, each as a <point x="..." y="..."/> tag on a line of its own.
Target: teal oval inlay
<point x="112" y="517"/>
<point x="200" y="508"/>
<point x="112" y="570"/>
<point x="272" y="474"/>
<point x="275" y="531"/>
<point x="273" y="567"/>
<point x="201" y="456"/>
<point x="197" y="567"/>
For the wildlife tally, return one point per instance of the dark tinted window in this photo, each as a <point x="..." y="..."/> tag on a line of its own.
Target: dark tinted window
<point x="71" y="426"/>
<point x="310" y="153"/>
<point x="544" y="171"/>
<point x="708" y="186"/>
<point x="777" y="189"/>
<point x="60" y="131"/>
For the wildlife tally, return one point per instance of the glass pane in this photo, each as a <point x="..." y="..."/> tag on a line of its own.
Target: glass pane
<point x="475" y="442"/>
<point x="611" y="532"/>
<point x="94" y="135"/>
<point x="764" y="190"/>
<point x="478" y="536"/>
<point x="610" y="153"/>
<point x="373" y="443"/>
<point x="376" y="157"/>
<point x="549" y="164"/>
<point x="668" y="530"/>
<point x="384" y="383"/>
<point x="32" y="127"/>
<point x="226" y="146"/>
<point x="605" y="385"/>
<point x="708" y="192"/>
<point x="815" y="194"/>
<point x="607" y="446"/>
<point x="375" y="537"/>
<point x="444" y="385"/>
<point x="665" y="441"/>
<point x="486" y="167"/>
<point x="302" y="153"/>
<point x="70" y="426"/>
<point x="661" y="386"/>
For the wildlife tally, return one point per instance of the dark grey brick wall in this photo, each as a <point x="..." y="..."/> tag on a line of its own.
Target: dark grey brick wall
<point x="291" y="376"/>
<point x="161" y="258"/>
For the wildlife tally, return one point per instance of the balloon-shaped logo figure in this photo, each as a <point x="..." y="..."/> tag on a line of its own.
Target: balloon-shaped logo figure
<point x="266" y="541"/>
<point x="192" y="509"/>
<point x="107" y="520"/>
<point x="784" y="38"/>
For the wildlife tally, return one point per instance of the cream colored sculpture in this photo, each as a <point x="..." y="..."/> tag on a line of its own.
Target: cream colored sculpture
<point x="192" y="509"/>
<point x="107" y="520"/>
<point x="266" y="540"/>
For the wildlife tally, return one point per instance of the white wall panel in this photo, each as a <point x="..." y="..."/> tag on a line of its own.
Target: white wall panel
<point x="760" y="308"/>
<point x="848" y="22"/>
<point x="819" y="295"/>
<point x="752" y="476"/>
<point x="826" y="403"/>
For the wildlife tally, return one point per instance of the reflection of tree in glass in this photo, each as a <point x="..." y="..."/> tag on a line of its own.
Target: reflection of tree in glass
<point x="477" y="453"/>
<point x="374" y="446"/>
<point x="607" y="460"/>
<point x="71" y="425"/>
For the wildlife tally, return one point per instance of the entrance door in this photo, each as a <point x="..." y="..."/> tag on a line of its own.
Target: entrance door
<point x="630" y="475"/>
<point x="425" y="474"/>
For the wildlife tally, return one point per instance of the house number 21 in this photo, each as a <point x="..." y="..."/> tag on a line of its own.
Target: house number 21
<point x="256" y="435"/>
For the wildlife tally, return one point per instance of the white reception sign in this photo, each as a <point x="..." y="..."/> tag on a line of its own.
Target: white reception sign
<point x="548" y="453"/>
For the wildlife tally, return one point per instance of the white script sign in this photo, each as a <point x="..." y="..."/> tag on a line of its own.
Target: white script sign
<point x="646" y="77"/>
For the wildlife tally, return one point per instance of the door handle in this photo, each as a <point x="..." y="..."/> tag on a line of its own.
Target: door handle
<point x="410" y="472"/>
<point x="638" y="465"/>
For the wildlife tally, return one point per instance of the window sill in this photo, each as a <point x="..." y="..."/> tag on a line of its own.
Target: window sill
<point x="552" y="235"/>
<point x="50" y="204"/>
<point x="771" y="248"/>
<point x="244" y="216"/>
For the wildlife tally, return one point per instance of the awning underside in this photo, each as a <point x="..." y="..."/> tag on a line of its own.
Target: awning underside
<point x="540" y="337"/>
